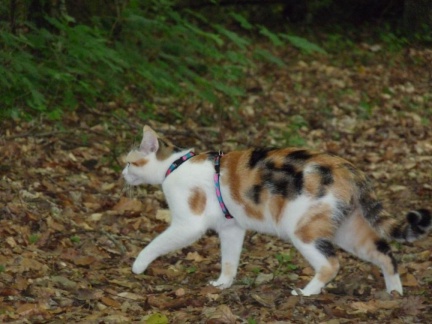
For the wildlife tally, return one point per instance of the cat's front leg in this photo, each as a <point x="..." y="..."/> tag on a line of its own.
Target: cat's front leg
<point x="173" y="238"/>
<point x="231" y="237"/>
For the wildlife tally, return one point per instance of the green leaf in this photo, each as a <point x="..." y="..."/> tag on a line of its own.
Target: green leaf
<point x="233" y="37"/>
<point x="266" y="55"/>
<point x="303" y="44"/>
<point x="274" y="38"/>
<point x="241" y="20"/>
<point x="157" y="318"/>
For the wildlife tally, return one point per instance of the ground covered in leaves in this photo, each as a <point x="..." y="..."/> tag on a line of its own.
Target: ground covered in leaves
<point x="70" y="229"/>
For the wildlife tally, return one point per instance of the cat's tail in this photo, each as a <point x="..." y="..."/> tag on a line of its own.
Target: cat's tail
<point x="415" y="225"/>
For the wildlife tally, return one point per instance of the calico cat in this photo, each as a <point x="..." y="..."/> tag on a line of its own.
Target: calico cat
<point x="316" y="200"/>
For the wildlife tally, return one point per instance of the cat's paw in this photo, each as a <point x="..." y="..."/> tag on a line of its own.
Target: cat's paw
<point x="304" y="292"/>
<point x="300" y="292"/>
<point x="138" y="267"/>
<point x="222" y="283"/>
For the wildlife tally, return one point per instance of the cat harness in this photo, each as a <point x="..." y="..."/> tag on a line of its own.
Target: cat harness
<point x="216" y="177"/>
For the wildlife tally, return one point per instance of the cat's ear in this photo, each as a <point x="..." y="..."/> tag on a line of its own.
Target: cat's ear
<point x="149" y="143"/>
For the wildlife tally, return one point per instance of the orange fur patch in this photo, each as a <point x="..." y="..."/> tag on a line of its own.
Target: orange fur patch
<point x="312" y="183"/>
<point x="277" y="205"/>
<point x="326" y="274"/>
<point x="133" y="156"/>
<point x="241" y="179"/>
<point x="233" y="174"/>
<point x="365" y="237"/>
<point x="316" y="224"/>
<point x="197" y="201"/>
<point x="140" y="162"/>
<point x="200" y="158"/>
<point x="254" y="212"/>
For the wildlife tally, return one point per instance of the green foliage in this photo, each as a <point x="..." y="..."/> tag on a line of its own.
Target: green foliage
<point x="2" y="268"/>
<point x="191" y="269"/>
<point x="303" y="44"/>
<point x="75" y="239"/>
<point x="34" y="238"/>
<point x="285" y="264"/>
<point x="139" y="52"/>
<point x="157" y="318"/>
<point x="252" y="320"/>
<point x="290" y="135"/>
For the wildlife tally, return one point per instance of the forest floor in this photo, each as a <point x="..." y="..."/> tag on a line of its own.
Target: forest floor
<point x="70" y="229"/>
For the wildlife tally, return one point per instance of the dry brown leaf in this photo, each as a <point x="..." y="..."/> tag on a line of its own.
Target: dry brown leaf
<point x="409" y="280"/>
<point x="194" y="256"/>
<point x="110" y="302"/>
<point x="180" y="292"/>
<point x="130" y="295"/>
<point x="163" y="215"/>
<point x="84" y="260"/>
<point x="413" y="305"/>
<point x="128" y="204"/>
<point x="222" y="314"/>
<point x="88" y="294"/>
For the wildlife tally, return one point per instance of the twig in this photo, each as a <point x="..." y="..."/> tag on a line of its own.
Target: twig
<point x="117" y="243"/>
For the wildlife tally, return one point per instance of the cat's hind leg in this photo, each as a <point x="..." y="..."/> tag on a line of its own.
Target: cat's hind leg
<point x="231" y="239"/>
<point x="312" y="236"/>
<point x="175" y="237"/>
<point x="322" y="257"/>
<point x="356" y="236"/>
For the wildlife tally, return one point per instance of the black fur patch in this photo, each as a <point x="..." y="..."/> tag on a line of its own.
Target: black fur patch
<point x="383" y="247"/>
<point x="343" y="211"/>
<point x="280" y="187"/>
<point x="299" y="156"/>
<point x="285" y="181"/>
<point x="254" y="193"/>
<point x="325" y="247"/>
<point x="426" y="218"/>
<point x="298" y="182"/>
<point x="288" y="168"/>
<point x="326" y="175"/>
<point x="257" y="155"/>
<point x="326" y="179"/>
<point x="371" y="207"/>
<point x="420" y="218"/>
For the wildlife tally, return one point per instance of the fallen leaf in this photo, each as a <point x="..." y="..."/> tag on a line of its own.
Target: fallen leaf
<point x="180" y="292"/>
<point x="88" y="294"/>
<point x="409" y="280"/>
<point x="263" y="278"/>
<point x="110" y="302"/>
<point x="222" y="313"/>
<point x="163" y="215"/>
<point x="11" y="242"/>
<point x="63" y="282"/>
<point x="128" y="204"/>
<point x="266" y="300"/>
<point x="157" y="318"/>
<point x="84" y="260"/>
<point x="130" y="295"/>
<point x="194" y="256"/>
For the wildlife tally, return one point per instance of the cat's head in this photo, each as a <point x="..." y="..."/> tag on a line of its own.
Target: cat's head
<point x="149" y="162"/>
